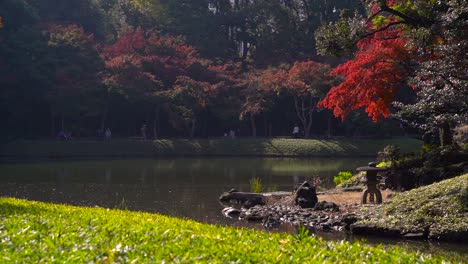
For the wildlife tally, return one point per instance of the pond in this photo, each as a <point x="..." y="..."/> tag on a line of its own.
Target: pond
<point x="181" y="187"/>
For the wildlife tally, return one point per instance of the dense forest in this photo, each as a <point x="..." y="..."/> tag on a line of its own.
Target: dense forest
<point x="199" y="68"/>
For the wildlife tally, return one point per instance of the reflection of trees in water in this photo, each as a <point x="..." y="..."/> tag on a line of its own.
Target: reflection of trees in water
<point x="195" y="184"/>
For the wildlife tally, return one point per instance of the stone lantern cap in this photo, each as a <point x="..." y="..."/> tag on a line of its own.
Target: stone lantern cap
<point x="372" y="167"/>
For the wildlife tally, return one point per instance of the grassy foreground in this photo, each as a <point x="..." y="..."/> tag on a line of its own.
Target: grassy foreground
<point x="35" y="232"/>
<point x="439" y="210"/>
<point x="213" y="147"/>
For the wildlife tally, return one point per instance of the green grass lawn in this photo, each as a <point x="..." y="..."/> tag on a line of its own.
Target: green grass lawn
<point x="33" y="232"/>
<point x="214" y="147"/>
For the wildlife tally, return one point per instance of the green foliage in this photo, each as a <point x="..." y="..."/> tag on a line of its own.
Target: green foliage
<point x="391" y="153"/>
<point x="39" y="232"/>
<point x="339" y="38"/>
<point x="427" y="148"/>
<point x="256" y="185"/>
<point x="342" y="177"/>
<point x="383" y="164"/>
<point x="302" y="233"/>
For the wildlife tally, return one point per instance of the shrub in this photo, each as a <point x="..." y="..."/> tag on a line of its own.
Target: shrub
<point x="427" y="148"/>
<point x="256" y="185"/>
<point x="342" y="177"/>
<point x="390" y="153"/>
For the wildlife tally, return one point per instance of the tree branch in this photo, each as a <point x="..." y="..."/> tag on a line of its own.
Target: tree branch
<point x="383" y="28"/>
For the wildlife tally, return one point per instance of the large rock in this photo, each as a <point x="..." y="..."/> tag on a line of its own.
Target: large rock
<point x="305" y="195"/>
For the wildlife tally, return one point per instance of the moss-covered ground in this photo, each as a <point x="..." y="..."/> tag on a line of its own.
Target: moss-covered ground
<point x="439" y="210"/>
<point x="34" y="232"/>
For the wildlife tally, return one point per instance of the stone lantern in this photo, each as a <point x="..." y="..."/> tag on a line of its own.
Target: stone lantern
<point x="372" y="192"/>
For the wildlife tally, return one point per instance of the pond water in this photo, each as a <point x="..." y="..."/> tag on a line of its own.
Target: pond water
<point x="181" y="187"/>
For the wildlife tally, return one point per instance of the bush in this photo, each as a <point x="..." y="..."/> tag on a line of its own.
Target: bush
<point x="461" y="135"/>
<point x="390" y="153"/>
<point x="342" y="177"/>
<point x="427" y="148"/>
<point x="256" y="185"/>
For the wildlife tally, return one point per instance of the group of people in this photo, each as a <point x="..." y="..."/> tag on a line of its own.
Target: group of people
<point x="64" y="135"/>
<point x="231" y="134"/>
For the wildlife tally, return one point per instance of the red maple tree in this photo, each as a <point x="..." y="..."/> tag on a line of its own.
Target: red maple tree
<point x="162" y="69"/>
<point x="307" y="83"/>
<point x="371" y="78"/>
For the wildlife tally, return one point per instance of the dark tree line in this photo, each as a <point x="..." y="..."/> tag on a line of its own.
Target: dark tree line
<point x="183" y="67"/>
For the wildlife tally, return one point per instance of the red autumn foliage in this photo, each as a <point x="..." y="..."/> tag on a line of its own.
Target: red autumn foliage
<point x="165" y="57"/>
<point x="307" y="82"/>
<point x="371" y="78"/>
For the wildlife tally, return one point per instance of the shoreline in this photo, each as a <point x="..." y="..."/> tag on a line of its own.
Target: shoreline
<point x="241" y="147"/>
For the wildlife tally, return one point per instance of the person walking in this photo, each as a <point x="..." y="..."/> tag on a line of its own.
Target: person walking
<point x="143" y="132"/>
<point x="108" y="134"/>
<point x="295" y="131"/>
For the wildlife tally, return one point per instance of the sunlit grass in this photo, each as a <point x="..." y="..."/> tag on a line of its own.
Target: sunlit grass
<point x="33" y="232"/>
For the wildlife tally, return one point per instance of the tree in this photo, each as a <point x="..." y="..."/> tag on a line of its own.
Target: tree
<point x="256" y="100"/>
<point x="190" y="98"/>
<point x="76" y="65"/>
<point x="307" y="83"/>
<point x="441" y="82"/>
<point x="372" y="78"/>
<point x="419" y="32"/>
<point x="168" y="71"/>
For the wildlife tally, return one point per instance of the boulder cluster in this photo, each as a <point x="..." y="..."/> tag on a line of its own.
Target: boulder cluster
<point x="301" y="209"/>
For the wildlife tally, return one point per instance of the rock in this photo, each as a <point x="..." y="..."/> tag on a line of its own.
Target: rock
<point x="415" y="236"/>
<point x="271" y="222"/>
<point x="320" y="206"/>
<point x="305" y="195"/>
<point x="231" y="212"/>
<point x="361" y="229"/>
<point x="254" y="217"/>
<point x="349" y="220"/>
<point x="253" y="202"/>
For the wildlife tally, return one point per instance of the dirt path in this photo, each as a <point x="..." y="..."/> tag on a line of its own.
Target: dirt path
<point x="349" y="197"/>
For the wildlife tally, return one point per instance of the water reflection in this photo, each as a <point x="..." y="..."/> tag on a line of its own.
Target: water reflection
<point x="178" y="187"/>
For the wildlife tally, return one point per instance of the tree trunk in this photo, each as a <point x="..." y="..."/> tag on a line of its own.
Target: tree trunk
<point x="301" y="112"/>
<point x="445" y="135"/>
<point x="270" y="129"/>
<point x="192" y="129"/>
<point x="156" y="121"/>
<point x="253" y="125"/>
<point x="52" y="123"/>
<point x="329" y="125"/>
<point x="104" y="117"/>
<point x="62" y="122"/>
